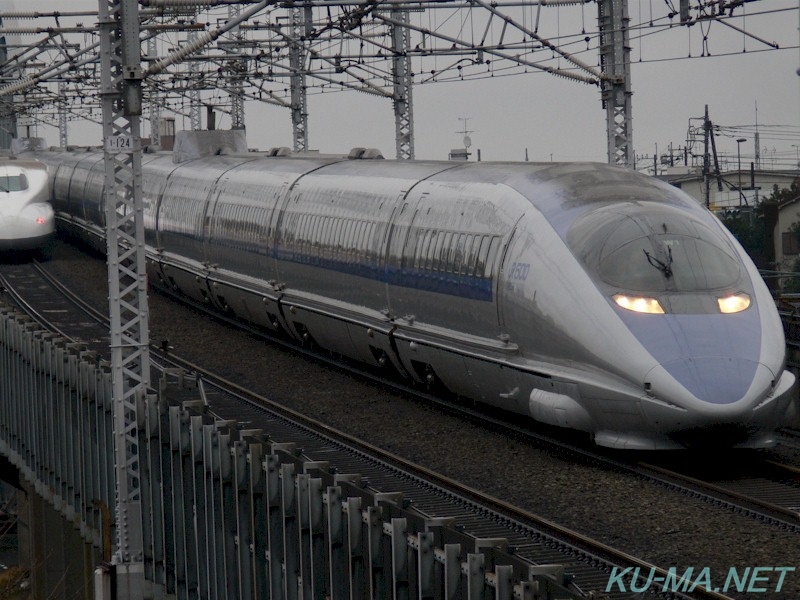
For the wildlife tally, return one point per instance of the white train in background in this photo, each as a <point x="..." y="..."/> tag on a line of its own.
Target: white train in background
<point x="579" y="294"/>
<point x="27" y="220"/>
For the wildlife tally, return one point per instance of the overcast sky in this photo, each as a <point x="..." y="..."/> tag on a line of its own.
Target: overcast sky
<point x="556" y="119"/>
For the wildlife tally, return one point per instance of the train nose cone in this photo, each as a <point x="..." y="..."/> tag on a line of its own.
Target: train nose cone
<point x="715" y="380"/>
<point x="8" y="227"/>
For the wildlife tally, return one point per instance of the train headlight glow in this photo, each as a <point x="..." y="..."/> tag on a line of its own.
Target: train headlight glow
<point x="639" y="304"/>
<point x="40" y="220"/>
<point x="734" y="303"/>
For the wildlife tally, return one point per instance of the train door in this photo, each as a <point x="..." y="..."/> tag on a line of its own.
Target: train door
<point x="505" y="274"/>
<point x="397" y="237"/>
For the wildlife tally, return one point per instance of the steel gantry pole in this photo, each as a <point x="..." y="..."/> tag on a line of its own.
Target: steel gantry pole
<point x="121" y="93"/>
<point x="155" y="100"/>
<point x="616" y="80"/>
<point x="195" y="123"/>
<point x="401" y="75"/>
<point x="300" y="28"/>
<point x="239" y="71"/>
<point x="62" y="115"/>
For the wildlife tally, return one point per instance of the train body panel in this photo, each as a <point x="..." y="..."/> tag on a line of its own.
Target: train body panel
<point x="26" y="216"/>
<point x="582" y="295"/>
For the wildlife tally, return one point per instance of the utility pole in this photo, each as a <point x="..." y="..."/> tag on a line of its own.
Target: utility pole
<point x="121" y="93"/>
<point x="706" y="165"/>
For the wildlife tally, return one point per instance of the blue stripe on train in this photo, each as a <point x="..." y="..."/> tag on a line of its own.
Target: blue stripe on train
<point x="440" y="282"/>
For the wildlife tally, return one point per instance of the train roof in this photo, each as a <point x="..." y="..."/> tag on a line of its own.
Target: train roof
<point x="10" y="165"/>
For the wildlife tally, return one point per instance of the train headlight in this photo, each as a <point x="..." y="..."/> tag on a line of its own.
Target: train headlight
<point x="639" y="304"/>
<point x="40" y="220"/>
<point x="734" y="303"/>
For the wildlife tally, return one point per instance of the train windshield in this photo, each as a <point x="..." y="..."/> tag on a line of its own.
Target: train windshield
<point x="656" y="250"/>
<point x="13" y="183"/>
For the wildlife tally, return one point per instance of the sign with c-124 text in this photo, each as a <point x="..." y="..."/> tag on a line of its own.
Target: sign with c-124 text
<point x="119" y="144"/>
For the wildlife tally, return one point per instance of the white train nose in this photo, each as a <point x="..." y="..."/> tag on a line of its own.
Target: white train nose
<point x="717" y="381"/>
<point x="8" y="226"/>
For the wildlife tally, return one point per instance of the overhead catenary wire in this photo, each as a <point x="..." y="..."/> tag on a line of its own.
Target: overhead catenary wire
<point x="513" y="42"/>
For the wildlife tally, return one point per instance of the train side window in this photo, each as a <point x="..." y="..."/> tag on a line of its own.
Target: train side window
<point x="310" y="235"/>
<point x="289" y="231"/>
<point x="254" y="217"/>
<point x="370" y="240"/>
<point x="358" y="237"/>
<point x="419" y="253"/>
<point x="249" y="226"/>
<point x="481" y="254"/>
<point x="446" y="256"/>
<point x="364" y="243"/>
<point x="327" y="234"/>
<point x="261" y="224"/>
<point x="430" y="251"/>
<point x="339" y="232"/>
<point x="451" y="255"/>
<point x="347" y="238"/>
<point x="419" y="257"/>
<point x="323" y="231"/>
<point x="409" y="247"/>
<point x="354" y="240"/>
<point x="300" y="228"/>
<point x="494" y="246"/>
<point x="458" y="257"/>
<point x="237" y="225"/>
<point x="437" y="251"/>
<point x="362" y="226"/>
<point x="297" y="228"/>
<point x="314" y="231"/>
<point x="305" y="233"/>
<point x="444" y="252"/>
<point x="334" y="232"/>
<point x="240" y="233"/>
<point x="425" y="256"/>
<point x="468" y="262"/>
<point x="347" y="230"/>
<point x="320" y="230"/>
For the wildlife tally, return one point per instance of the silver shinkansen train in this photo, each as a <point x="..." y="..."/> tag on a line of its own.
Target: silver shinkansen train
<point x="27" y="220"/>
<point x="582" y="295"/>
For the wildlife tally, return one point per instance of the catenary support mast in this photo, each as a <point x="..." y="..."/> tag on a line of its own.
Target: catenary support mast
<point x="121" y="92"/>
<point x="239" y="71"/>
<point x="62" y="115"/>
<point x="616" y="83"/>
<point x="195" y="123"/>
<point x="300" y="28"/>
<point x="401" y="74"/>
<point x="155" y="100"/>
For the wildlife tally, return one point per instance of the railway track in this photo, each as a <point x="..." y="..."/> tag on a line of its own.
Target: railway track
<point x="588" y="563"/>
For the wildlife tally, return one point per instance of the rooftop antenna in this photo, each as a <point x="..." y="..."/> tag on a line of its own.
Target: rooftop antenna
<point x="466" y="132"/>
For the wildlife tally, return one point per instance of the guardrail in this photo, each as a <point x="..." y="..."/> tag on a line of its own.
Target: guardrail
<point x="228" y="512"/>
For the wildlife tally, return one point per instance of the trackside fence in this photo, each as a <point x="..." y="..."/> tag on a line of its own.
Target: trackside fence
<point x="229" y="513"/>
